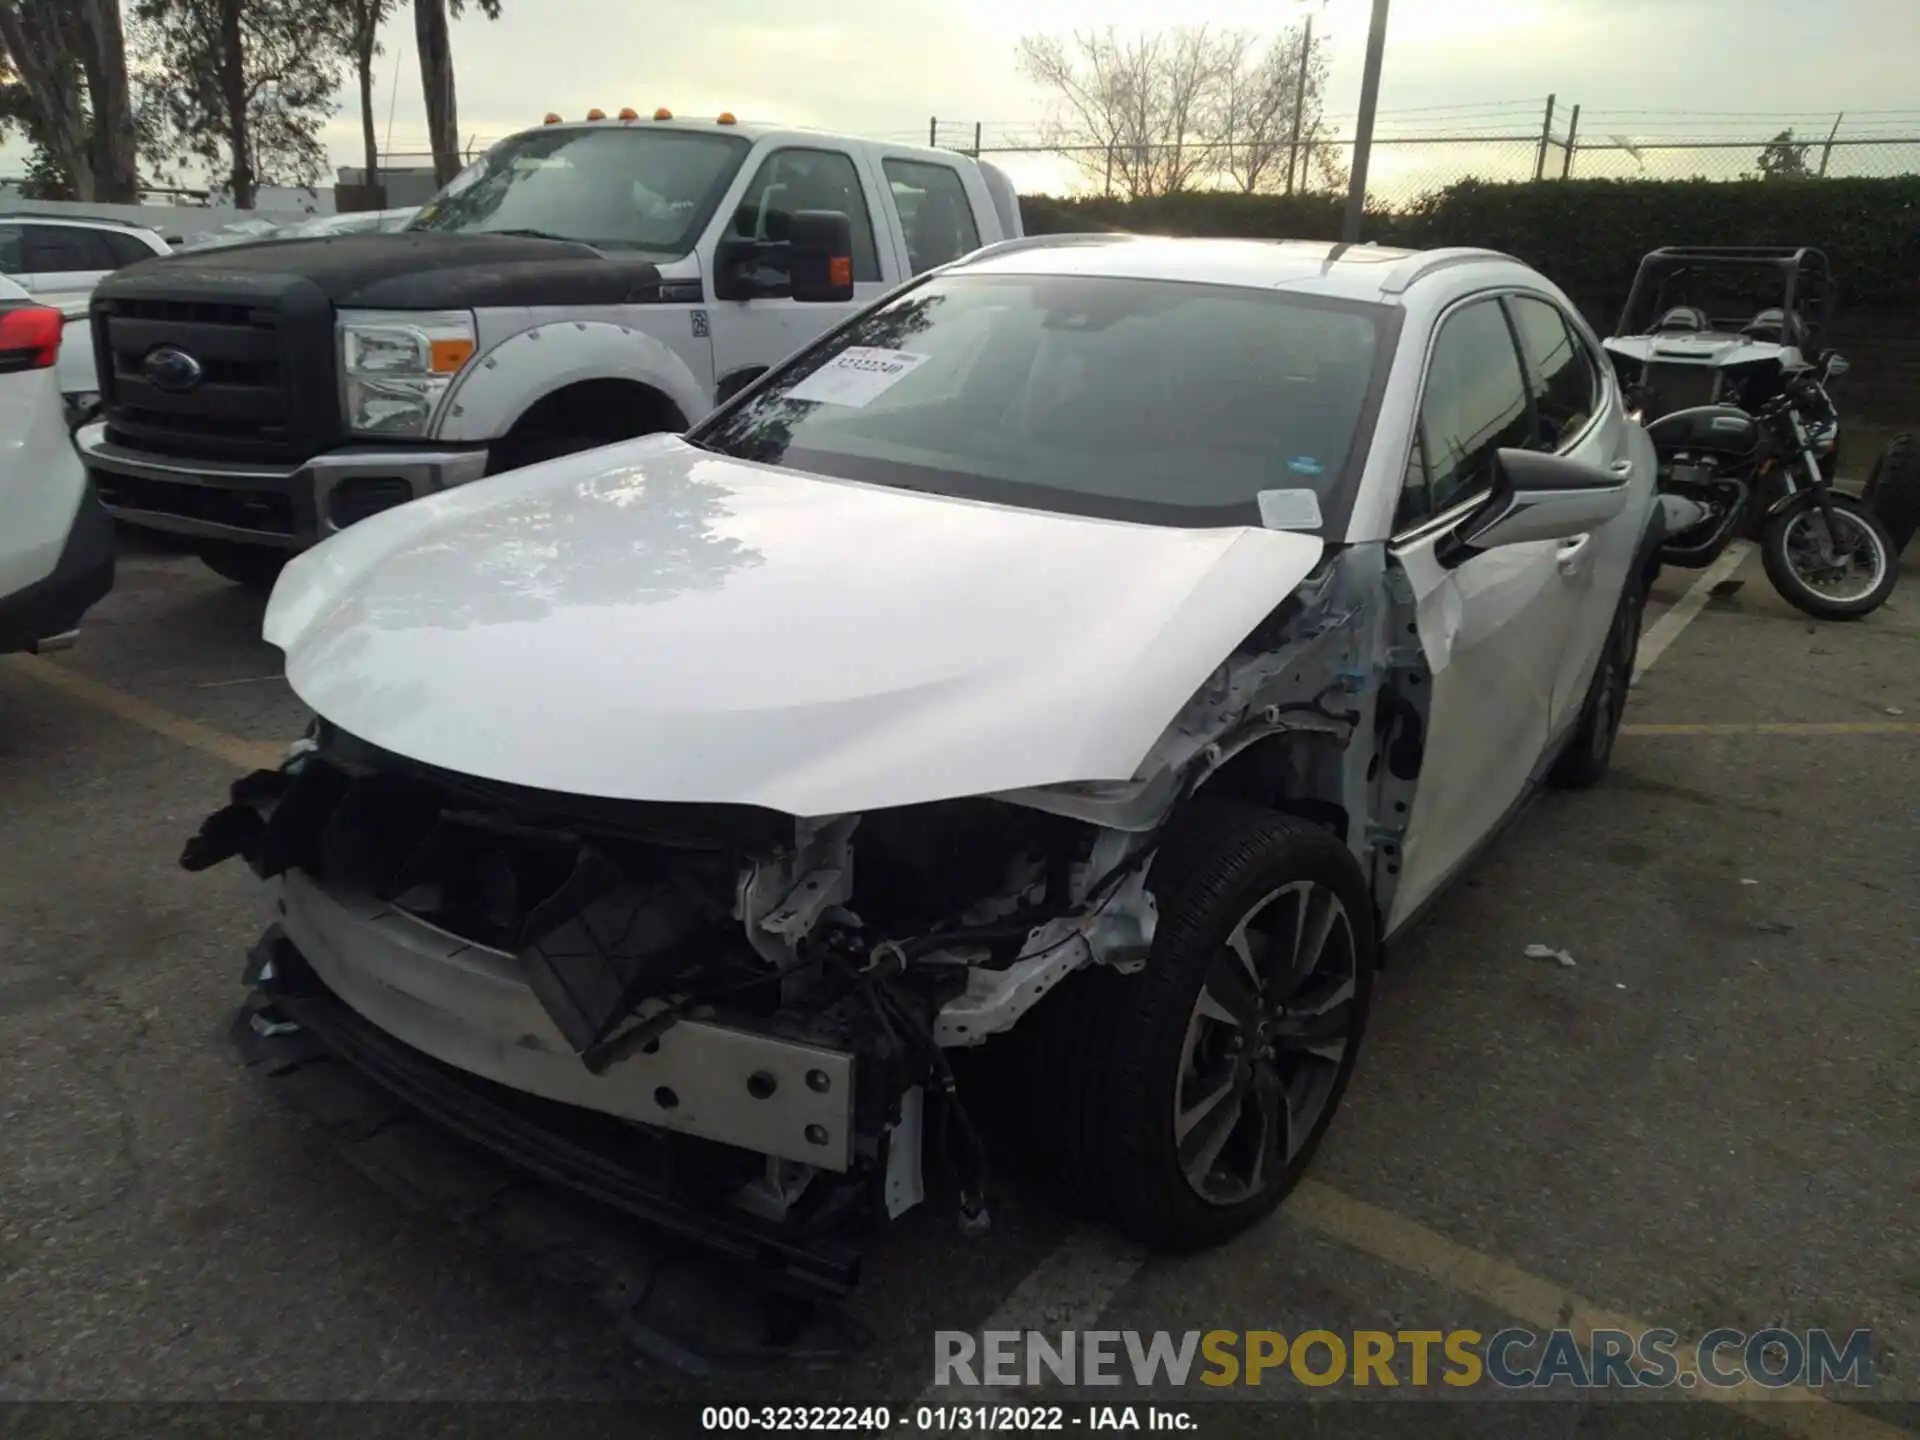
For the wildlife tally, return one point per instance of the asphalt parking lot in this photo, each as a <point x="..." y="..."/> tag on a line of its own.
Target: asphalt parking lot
<point x="1711" y="1119"/>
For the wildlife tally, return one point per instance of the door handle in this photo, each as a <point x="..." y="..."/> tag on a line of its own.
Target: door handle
<point x="1570" y="556"/>
<point x="1622" y="468"/>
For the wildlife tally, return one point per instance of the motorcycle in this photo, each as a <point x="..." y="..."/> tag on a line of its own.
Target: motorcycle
<point x="1727" y="473"/>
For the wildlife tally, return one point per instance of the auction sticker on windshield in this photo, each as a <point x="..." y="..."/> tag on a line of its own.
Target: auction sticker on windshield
<point x="857" y="376"/>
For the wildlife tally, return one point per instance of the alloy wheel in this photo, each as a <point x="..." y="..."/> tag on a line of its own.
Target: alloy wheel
<point x="1264" y="1043"/>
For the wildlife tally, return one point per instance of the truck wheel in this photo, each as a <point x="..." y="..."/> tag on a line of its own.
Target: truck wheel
<point x="1192" y="1095"/>
<point x="254" y="566"/>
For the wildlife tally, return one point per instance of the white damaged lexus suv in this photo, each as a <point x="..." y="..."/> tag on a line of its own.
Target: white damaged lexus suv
<point x="1065" y="678"/>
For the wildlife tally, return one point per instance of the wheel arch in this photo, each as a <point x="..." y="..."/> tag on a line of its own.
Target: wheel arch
<point x="1294" y="772"/>
<point x="733" y="383"/>
<point x="501" y="387"/>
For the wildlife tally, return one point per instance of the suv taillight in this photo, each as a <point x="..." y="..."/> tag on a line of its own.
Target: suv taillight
<point x="29" y="337"/>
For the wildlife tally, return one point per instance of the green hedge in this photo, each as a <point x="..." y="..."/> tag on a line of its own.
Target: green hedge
<point x="1587" y="235"/>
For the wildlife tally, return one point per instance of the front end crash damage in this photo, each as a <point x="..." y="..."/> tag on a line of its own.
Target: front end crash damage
<point x="769" y="1002"/>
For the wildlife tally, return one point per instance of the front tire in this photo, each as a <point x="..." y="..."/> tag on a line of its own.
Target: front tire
<point x="1857" y="581"/>
<point x="1201" y="1086"/>
<point x="254" y="566"/>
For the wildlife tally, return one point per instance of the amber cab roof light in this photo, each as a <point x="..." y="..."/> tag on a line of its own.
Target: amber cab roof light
<point x="663" y="113"/>
<point x="552" y="119"/>
<point x="627" y="112"/>
<point x="596" y="113"/>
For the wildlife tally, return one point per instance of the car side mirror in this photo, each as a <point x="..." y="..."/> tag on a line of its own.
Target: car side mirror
<point x="1834" y="365"/>
<point x="821" y="252"/>
<point x="1535" y="497"/>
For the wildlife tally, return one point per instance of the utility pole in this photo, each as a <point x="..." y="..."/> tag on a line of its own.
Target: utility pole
<point x="1363" y="129"/>
<point x="1826" y="150"/>
<point x="933" y="133"/>
<point x="1573" y="131"/>
<point x="1299" y="107"/>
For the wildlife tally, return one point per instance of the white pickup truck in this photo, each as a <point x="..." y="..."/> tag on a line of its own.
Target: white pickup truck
<point x="582" y="283"/>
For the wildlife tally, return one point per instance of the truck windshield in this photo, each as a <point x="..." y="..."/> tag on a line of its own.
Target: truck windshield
<point x="1159" y="401"/>
<point x="650" y="190"/>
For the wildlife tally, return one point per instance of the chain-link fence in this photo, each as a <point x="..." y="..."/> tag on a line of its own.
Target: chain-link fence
<point x="1414" y="153"/>
<point x="1418" y="151"/>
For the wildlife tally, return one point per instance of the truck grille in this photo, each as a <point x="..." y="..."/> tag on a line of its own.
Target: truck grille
<point x="245" y="405"/>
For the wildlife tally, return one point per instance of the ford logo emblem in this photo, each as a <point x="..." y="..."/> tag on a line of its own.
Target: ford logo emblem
<point x="169" y="368"/>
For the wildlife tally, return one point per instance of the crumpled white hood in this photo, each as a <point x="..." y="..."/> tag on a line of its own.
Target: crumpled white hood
<point x="651" y="622"/>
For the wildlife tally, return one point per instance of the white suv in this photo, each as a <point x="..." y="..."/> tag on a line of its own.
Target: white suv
<point x="58" y="253"/>
<point x="1094" y="651"/>
<point x="56" y="543"/>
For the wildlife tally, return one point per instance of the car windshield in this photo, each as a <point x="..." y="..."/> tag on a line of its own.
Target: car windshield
<point x="650" y="190"/>
<point x="1155" y="400"/>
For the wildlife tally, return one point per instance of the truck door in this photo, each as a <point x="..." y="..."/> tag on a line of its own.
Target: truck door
<point x="750" y="335"/>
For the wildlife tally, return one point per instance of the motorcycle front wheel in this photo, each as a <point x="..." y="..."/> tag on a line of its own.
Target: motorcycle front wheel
<point x="1838" y="576"/>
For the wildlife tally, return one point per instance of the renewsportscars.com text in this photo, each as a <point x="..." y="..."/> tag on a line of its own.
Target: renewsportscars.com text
<point x="1515" y="1358"/>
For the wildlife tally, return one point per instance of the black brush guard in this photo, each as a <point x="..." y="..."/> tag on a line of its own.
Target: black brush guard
<point x="694" y="1287"/>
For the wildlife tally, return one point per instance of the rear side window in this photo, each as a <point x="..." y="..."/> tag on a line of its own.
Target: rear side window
<point x="1561" y="375"/>
<point x="934" y="212"/>
<point x="1475" y="403"/>
<point x="53" y="248"/>
<point x="12" y="255"/>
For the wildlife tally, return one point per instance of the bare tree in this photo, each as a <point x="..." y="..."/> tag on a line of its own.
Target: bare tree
<point x="1265" y="120"/>
<point x="435" y="45"/>
<point x="1131" y="112"/>
<point x="1155" y="114"/>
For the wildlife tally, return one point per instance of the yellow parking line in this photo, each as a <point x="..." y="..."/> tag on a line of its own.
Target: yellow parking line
<point x="241" y="754"/>
<point x="1860" y="727"/>
<point x="1545" y="1306"/>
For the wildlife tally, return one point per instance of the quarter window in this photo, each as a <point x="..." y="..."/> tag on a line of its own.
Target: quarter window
<point x="1475" y="403"/>
<point x="790" y="181"/>
<point x="934" y="212"/>
<point x="1561" y="375"/>
<point x="125" y="250"/>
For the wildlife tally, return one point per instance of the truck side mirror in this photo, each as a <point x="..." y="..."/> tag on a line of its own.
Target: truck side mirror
<point x="820" y="248"/>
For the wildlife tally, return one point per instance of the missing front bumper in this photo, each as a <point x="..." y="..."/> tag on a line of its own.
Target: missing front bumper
<point x="691" y="1285"/>
<point x="473" y="1008"/>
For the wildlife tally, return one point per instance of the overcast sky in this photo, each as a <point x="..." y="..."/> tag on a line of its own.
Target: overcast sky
<point x="1723" y="67"/>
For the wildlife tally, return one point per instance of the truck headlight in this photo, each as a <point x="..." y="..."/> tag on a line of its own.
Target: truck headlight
<point x="396" y="366"/>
